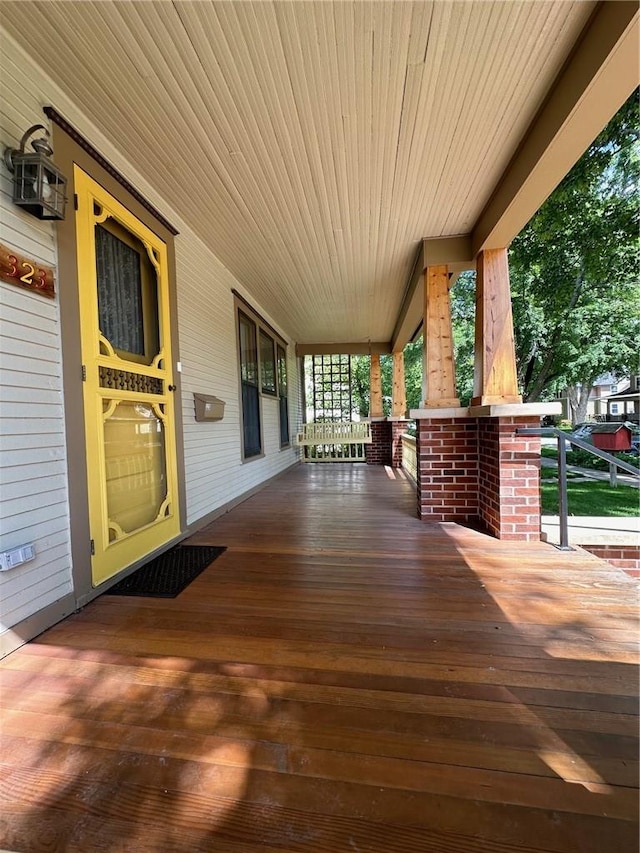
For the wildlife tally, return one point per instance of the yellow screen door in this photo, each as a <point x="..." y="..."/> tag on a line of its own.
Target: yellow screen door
<point x="127" y="367"/>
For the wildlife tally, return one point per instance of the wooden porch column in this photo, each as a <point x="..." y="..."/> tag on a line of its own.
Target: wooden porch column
<point x="375" y="388"/>
<point x="495" y="377"/>
<point x="399" y="400"/>
<point x="439" y="385"/>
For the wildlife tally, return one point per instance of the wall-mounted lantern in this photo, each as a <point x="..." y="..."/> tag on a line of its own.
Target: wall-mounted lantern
<point x="38" y="185"/>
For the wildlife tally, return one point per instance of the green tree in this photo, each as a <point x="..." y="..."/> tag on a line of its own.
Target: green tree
<point x="413" y="358"/>
<point x="574" y="272"/>
<point x="412" y="378"/>
<point x="463" y="296"/>
<point x="360" y="384"/>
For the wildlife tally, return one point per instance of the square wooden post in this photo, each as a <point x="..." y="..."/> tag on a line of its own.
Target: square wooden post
<point x="495" y="376"/>
<point x="399" y="401"/>
<point x="375" y="388"/>
<point x="439" y="384"/>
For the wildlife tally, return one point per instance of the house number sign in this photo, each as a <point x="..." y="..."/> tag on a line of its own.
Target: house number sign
<point x="32" y="275"/>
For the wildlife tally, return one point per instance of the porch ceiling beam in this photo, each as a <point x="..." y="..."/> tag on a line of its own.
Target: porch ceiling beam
<point x="357" y="348"/>
<point x="598" y="77"/>
<point x="455" y="253"/>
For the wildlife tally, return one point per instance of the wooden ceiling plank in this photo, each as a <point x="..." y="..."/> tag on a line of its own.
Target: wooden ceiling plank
<point x="284" y="215"/>
<point x="220" y="87"/>
<point x="327" y="36"/>
<point x="324" y="138"/>
<point x="295" y="44"/>
<point x="260" y="161"/>
<point x="418" y="39"/>
<point x="232" y="184"/>
<point x="420" y="198"/>
<point x="200" y="133"/>
<point x="396" y="45"/>
<point x="303" y="206"/>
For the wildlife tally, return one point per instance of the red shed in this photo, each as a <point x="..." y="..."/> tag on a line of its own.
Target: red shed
<point x="611" y="437"/>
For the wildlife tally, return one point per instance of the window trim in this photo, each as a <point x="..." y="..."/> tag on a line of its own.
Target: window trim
<point x="265" y="389"/>
<point x="241" y="306"/>
<point x="241" y="314"/>
<point x="281" y="396"/>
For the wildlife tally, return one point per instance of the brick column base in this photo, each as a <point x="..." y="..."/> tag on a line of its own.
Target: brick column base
<point x="447" y="470"/>
<point x="379" y="451"/>
<point x="508" y="478"/>
<point x="397" y="430"/>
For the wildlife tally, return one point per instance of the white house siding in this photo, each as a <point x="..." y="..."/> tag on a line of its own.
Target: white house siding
<point x="214" y="471"/>
<point x="33" y="470"/>
<point x="33" y="460"/>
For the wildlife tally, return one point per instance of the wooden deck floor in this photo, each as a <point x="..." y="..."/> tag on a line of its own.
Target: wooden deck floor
<point x="344" y="678"/>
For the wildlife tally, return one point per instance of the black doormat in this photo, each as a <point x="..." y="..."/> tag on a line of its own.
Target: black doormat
<point x="167" y="575"/>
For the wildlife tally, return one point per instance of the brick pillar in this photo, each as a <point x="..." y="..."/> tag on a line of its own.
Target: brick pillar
<point x="398" y="427"/>
<point x="508" y="481"/>
<point x="379" y="451"/>
<point x="447" y="450"/>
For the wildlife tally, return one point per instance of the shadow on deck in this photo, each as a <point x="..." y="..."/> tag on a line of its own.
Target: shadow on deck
<point x="344" y="678"/>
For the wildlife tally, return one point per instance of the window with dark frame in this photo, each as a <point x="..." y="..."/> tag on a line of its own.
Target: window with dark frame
<point x="263" y="371"/>
<point x="249" y="380"/>
<point x="282" y="396"/>
<point x="267" y="364"/>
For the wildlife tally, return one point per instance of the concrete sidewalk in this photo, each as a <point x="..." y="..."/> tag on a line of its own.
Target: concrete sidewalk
<point x="594" y="530"/>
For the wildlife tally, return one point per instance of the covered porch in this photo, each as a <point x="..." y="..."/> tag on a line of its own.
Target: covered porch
<point x="344" y="677"/>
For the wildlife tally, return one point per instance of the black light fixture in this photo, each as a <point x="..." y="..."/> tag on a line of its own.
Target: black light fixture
<point x="38" y="184"/>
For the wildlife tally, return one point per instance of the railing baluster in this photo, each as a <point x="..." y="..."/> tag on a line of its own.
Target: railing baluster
<point x="563" y="497"/>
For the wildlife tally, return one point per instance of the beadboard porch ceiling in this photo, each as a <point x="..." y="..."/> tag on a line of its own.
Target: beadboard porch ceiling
<point x="312" y="145"/>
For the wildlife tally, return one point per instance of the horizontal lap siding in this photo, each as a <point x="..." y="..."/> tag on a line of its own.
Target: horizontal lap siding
<point x="214" y="471"/>
<point x="33" y="471"/>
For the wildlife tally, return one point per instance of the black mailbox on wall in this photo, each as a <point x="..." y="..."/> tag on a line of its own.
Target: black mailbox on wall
<point x="208" y="408"/>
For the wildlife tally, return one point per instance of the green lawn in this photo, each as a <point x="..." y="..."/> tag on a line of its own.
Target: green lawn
<point x="596" y="498"/>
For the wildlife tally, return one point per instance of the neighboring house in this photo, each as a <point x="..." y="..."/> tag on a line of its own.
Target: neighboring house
<point x="624" y="404"/>
<point x="603" y="387"/>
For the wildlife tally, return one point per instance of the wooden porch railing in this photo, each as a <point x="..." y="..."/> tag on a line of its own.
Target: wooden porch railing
<point x="409" y="456"/>
<point x="334" y="441"/>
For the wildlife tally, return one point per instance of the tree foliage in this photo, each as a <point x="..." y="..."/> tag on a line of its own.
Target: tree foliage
<point x="463" y="296"/>
<point x="574" y="271"/>
<point x="412" y="378"/>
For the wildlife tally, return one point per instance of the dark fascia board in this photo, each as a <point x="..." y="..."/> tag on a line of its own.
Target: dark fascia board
<point x="54" y="116"/>
<point x="455" y="253"/>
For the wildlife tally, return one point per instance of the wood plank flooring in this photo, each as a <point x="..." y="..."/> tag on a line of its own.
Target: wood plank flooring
<point x="344" y="678"/>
